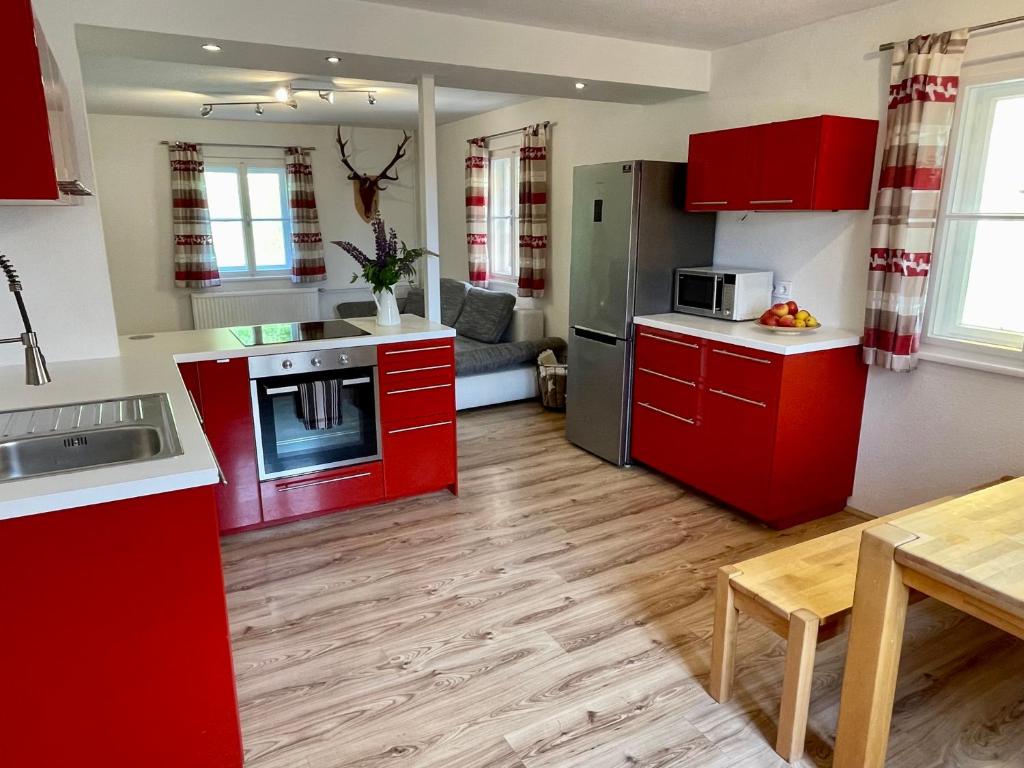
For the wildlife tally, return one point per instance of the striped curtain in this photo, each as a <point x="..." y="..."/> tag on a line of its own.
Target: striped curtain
<point x="195" y="262"/>
<point x="307" y="244"/>
<point x="922" y="95"/>
<point x="533" y="210"/>
<point x="477" y="179"/>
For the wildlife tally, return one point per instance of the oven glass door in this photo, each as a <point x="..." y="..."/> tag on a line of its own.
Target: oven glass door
<point x="294" y="437"/>
<point x="698" y="293"/>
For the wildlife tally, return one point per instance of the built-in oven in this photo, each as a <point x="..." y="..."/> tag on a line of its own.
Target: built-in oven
<point x="314" y="410"/>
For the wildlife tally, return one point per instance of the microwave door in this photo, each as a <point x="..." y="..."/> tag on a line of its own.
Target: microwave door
<point x="698" y="293"/>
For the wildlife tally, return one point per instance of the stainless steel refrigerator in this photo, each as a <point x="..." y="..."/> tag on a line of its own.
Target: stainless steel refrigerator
<point x="629" y="231"/>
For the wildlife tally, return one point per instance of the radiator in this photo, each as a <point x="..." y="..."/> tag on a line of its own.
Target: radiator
<point x="223" y="309"/>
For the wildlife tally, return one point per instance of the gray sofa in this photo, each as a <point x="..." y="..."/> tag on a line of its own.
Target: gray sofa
<point x="496" y="345"/>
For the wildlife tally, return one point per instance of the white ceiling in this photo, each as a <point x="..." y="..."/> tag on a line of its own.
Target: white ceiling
<point x="704" y="24"/>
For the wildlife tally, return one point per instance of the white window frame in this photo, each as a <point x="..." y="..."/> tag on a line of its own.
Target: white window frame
<point x="948" y="337"/>
<point x="511" y="151"/>
<point x="241" y="167"/>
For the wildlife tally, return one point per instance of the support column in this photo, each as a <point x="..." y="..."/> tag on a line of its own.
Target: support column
<point x="426" y="157"/>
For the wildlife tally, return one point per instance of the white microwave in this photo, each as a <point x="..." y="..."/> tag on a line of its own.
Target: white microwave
<point x="729" y="293"/>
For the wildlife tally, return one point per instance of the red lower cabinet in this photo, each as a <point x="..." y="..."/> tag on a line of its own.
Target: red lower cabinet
<point x="772" y="435"/>
<point x="321" y="492"/>
<point x="420" y="458"/>
<point x="116" y="649"/>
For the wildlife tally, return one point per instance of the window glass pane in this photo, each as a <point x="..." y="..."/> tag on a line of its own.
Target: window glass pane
<point x="229" y="243"/>
<point x="265" y="193"/>
<point x="222" y="194"/>
<point x="500" y="167"/>
<point x="992" y="298"/>
<point x="1002" y="189"/>
<point x="500" y="246"/>
<point x="268" y="241"/>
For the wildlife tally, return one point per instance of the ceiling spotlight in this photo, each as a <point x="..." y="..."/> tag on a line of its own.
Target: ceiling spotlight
<point x="371" y="99"/>
<point x="327" y="96"/>
<point x="206" y="110"/>
<point x="283" y="94"/>
<point x="292" y="103"/>
<point x="259" y="109"/>
<point x="332" y="59"/>
<point x="580" y="86"/>
<point x="211" y="47"/>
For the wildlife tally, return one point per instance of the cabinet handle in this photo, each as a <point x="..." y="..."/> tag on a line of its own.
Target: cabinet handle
<point x="417" y="349"/>
<point x="770" y="202"/>
<point x="751" y="358"/>
<point x="424" y="426"/>
<point x="195" y="406"/>
<point x="670" y="378"/>
<point x="418" y="370"/>
<point x="709" y="202"/>
<point x="418" y="389"/>
<point x="723" y="393"/>
<point x="310" y="484"/>
<point x="669" y="341"/>
<point x="650" y="407"/>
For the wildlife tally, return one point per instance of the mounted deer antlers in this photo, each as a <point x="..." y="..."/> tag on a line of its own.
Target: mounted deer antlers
<point x="367" y="187"/>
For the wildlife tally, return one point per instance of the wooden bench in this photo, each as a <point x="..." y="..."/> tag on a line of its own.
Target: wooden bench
<point x="803" y="593"/>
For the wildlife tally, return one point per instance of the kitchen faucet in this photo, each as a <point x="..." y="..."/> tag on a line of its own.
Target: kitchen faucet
<point x="36" y="373"/>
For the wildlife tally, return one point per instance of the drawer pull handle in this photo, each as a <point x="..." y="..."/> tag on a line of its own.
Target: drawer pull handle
<point x="709" y="202"/>
<point x="424" y="426"/>
<point x="669" y="341"/>
<point x="419" y="389"/>
<point x="770" y="202"/>
<point x="666" y="413"/>
<point x="417" y="349"/>
<point x="418" y="370"/>
<point x="751" y="358"/>
<point x="723" y="393"/>
<point x="670" y="378"/>
<point x="297" y="486"/>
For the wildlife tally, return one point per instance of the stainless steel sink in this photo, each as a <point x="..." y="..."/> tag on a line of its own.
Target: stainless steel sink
<point x="66" y="438"/>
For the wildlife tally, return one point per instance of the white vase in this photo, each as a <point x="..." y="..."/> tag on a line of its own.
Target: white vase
<point x="387" y="308"/>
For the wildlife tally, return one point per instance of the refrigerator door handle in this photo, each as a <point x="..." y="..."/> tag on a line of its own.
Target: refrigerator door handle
<point x="601" y="336"/>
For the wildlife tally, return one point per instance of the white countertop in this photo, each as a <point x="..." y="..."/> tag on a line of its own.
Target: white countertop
<point x="747" y="334"/>
<point x="148" y="366"/>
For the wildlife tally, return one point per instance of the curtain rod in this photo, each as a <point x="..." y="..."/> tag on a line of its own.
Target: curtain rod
<point x="975" y="28"/>
<point x="546" y="123"/>
<point x="246" y="146"/>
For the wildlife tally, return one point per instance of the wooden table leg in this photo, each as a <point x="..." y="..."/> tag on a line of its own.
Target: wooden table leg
<point x="723" y="644"/>
<point x="796" y="685"/>
<point x="872" y="662"/>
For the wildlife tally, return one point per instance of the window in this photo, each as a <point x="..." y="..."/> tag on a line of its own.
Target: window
<point x="978" y="293"/>
<point x="503" y="215"/>
<point x="249" y="217"/>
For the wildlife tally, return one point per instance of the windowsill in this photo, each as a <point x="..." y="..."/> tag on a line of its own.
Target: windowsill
<point x="978" y="361"/>
<point x="504" y="286"/>
<point x="229" y="278"/>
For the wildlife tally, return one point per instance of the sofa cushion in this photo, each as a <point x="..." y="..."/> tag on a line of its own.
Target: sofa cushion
<point x="485" y="315"/>
<point x="473" y="357"/>
<point x="453" y="298"/>
<point x="414" y="302"/>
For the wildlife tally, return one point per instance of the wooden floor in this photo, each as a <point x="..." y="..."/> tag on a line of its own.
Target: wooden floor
<point x="558" y="614"/>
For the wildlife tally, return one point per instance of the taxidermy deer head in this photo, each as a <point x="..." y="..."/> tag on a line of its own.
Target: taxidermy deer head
<point x="367" y="188"/>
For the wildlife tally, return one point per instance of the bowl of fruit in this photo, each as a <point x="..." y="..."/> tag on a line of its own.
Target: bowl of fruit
<point x="788" y="318"/>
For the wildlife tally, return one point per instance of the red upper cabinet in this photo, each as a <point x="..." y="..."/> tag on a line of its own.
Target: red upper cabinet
<point x="44" y="167"/>
<point x="813" y="164"/>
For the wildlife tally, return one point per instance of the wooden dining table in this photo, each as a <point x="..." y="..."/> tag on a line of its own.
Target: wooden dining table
<point x="967" y="552"/>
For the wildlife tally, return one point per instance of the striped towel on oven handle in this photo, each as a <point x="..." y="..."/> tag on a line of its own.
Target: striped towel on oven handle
<point x="320" y="403"/>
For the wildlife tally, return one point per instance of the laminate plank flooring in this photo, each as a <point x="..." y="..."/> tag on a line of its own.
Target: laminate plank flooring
<point x="558" y="614"/>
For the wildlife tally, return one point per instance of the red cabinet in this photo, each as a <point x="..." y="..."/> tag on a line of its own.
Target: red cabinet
<point x="44" y="167"/>
<point x="811" y="164"/>
<point x="320" y="492"/>
<point x="227" y="419"/>
<point x="772" y="435"/>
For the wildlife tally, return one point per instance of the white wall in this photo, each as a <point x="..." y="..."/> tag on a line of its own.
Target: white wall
<point x="133" y="182"/>
<point x="927" y="433"/>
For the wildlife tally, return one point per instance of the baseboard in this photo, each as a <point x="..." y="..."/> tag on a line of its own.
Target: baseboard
<point x="860" y="513"/>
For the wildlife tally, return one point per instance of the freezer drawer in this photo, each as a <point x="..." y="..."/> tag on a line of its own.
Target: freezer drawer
<point x="597" y="410"/>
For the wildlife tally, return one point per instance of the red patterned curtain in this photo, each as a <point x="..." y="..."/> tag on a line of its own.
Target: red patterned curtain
<point x="307" y="243"/>
<point x="533" y="210"/>
<point x="195" y="262"/>
<point x="477" y="179"/>
<point x="923" y="88"/>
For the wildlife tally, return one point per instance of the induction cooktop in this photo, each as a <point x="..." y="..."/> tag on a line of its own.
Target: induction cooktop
<point x="284" y="333"/>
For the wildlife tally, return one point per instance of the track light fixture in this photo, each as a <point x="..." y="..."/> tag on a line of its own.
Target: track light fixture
<point x="206" y="110"/>
<point x="371" y="98"/>
<point x="284" y="94"/>
<point x="259" y="109"/>
<point x="327" y="96"/>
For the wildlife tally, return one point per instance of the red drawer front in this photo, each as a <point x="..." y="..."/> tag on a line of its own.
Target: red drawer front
<point x="670" y="353"/>
<point x="667" y="442"/>
<point x="322" y="492"/>
<point x="668" y="393"/>
<point x="409" y="405"/>
<point x="748" y="373"/>
<point x="419" y="458"/>
<point x="414" y="356"/>
<point x="422" y="376"/>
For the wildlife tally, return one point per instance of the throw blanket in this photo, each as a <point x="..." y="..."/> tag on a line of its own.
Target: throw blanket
<point x="320" y="403"/>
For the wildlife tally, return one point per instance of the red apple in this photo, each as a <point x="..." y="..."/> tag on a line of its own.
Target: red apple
<point x="768" y="315"/>
<point x="793" y="308"/>
<point x="772" y="320"/>
<point x="787" y="321"/>
<point x="780" y="310"/>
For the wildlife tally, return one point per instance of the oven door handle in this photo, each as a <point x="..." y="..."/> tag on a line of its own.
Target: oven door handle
<point x="281" y="390"/>
<point x="353" y="382"/>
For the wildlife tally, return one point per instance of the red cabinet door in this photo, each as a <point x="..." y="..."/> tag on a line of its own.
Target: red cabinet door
<point x="669" y="442"/>
<point x="419" y="458"/>
<point x="718" y="174"/>
<point x="784" y="177"/>
<point x="227" y="418"/>
<point x="319" y="492"/>
<point x="190" y="375"/>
